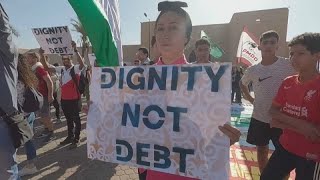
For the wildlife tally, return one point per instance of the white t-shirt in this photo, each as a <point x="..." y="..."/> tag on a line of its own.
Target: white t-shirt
<point x="266" y="81"/>
<point x="68" y="88"/>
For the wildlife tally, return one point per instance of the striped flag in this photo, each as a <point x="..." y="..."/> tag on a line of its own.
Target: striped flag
<point x="112" y="10"/>
<point x="248" y="52"/>
<point x="103" y="30"/>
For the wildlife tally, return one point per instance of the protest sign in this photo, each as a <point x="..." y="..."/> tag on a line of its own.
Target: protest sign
<point x="163" y="118"/>
<point x="54" y="40"/>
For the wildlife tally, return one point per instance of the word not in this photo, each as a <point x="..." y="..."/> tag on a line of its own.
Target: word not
<point x="50" y="30"/>
<point x="134" y="116"/>
<point x="160" y="153"/>
<point x="54" y="40"/>
<point x="160" y="79"/>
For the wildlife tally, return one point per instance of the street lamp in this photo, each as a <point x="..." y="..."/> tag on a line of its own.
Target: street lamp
<point x="145" y="14"/>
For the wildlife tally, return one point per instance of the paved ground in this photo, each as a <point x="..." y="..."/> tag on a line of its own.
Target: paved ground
<point x="59" y="162"/>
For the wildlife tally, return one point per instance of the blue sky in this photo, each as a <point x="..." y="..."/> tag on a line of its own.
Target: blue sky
<point x="27" y="14"/>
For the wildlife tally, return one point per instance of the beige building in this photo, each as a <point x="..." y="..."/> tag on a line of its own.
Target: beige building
<point x="226" y="35"/>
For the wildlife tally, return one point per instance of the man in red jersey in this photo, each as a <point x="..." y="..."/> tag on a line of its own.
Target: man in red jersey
<point x="296" y="110"/>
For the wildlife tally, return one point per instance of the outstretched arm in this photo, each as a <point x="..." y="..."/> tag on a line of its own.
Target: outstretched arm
<point x="45" y="63"/>
<point x="79" y="57"/>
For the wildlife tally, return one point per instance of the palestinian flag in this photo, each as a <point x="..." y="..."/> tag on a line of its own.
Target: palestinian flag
<point x="102" y="24"/>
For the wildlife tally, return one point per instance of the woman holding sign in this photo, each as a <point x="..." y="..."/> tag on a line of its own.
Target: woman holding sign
<point x="173" y="31"/>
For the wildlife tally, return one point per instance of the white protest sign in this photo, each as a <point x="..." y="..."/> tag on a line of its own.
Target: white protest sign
<point x="163" y="118"/>
<point x="54" y="40"/>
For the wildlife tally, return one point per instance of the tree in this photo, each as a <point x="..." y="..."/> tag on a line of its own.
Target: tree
<point x="85" y="43"/>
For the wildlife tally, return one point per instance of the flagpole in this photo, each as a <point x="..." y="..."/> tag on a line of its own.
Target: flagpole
<point x="149" y="39"/>
<point x="239" y="59"/>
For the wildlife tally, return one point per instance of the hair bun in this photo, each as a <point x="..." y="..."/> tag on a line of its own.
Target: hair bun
<point x="171" y="5"/>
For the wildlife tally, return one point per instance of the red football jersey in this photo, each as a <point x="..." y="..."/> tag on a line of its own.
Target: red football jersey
<point x="302" y="101"/>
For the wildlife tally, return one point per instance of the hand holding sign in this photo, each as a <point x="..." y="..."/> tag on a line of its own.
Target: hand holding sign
<point x="233" y="133"/>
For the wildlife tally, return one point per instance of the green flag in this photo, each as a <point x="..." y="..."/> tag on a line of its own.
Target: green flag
<point x="215" y="50"/>
<point x="98" y="28"/>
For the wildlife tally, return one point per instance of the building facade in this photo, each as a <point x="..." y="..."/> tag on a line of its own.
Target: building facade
<point x="225" y="35"/>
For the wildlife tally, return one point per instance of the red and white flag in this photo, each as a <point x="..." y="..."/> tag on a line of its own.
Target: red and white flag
<point x="248" y="52"/>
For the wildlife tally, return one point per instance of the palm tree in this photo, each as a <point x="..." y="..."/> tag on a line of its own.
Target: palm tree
<point x="85" y="43"/>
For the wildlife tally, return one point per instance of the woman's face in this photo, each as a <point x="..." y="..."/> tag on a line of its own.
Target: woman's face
<point x="171" y="34"/>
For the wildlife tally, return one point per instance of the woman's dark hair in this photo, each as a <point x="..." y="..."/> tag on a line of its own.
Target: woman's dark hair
<point x="176" y="7"/>
<point x="25" y="73"/>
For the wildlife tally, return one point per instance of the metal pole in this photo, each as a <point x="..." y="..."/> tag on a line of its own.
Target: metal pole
<point x="149" y="41"/>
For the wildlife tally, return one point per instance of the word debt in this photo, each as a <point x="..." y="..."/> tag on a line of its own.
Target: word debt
<point x="109" y="78"/>
<point x="161" y="154"/>
<point x="59" y="50"/>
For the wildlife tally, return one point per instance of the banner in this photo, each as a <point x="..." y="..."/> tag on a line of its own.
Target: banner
<point x="248" y="52"/>
<point x="163" y="118"/>
<point x="54" y="40"/>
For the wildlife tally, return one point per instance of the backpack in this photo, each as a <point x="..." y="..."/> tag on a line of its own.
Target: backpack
<point x="82" y="82"/>
<point x="33" y="100"/>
